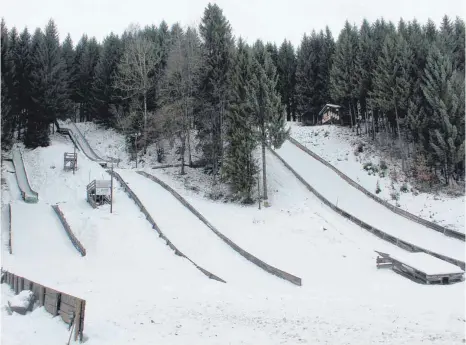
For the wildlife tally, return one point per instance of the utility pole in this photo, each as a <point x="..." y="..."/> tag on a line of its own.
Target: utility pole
<point x="111" y="190"/>
<point x="259" y="191"/>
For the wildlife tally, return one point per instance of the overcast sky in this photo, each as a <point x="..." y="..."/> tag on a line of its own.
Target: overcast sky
<point x="270" y="20"/>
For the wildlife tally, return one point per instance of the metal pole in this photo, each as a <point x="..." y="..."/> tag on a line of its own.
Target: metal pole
<point x="259" y="192"/>
<point x="111" y="190"/>
<point x="75" y="159"/>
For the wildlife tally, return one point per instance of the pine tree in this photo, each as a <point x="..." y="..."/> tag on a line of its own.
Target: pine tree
<point x="266" y="105"/>
<point x="86" y="71"/>
<point x="443" y="89"/>
<point x="287" y="77"/>
<point x="103" y="92"/>
<point x="6" y="87"/>
<point x="49" y="86"/>
<point x="239" y="167"/>
<point x="214" y="85"/>
<point x="69" y="56"/>
<point x="22" y="60"/>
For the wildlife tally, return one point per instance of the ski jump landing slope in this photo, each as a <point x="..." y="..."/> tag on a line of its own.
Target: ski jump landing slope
<point x="193" y="238"/>
<point x="331" y="186"/>
<point x="38" y="239"/>
<point x="27" y="193"/>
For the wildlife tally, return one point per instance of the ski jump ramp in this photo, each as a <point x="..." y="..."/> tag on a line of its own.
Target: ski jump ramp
<point x="27" y="193"/>
<point x="338" y="192"/>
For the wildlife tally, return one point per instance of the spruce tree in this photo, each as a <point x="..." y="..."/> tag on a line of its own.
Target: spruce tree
<point x="23" y="62"/>
<point x="7" y="79"/>
<point x="103" y="92"/>
<point x="214" y="86"/>
<point x="48" y="86"/>
<point x="266" y="105"/>
<point x="239" y="167"/>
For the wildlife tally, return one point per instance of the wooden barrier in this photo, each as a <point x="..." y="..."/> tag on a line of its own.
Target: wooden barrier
<point x="138" y="202"/>
<point x="71" y="309"/>
<point x="397" y="210"/>
<point x="79" y="247"/>
<point x="379" y="233"/>
<point x="266" y="267"/>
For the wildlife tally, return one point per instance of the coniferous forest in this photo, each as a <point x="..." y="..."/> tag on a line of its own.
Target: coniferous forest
<point x="404" y="81"/>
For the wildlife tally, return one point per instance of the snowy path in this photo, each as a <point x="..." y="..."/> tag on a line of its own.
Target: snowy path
<point x="193" y="237"/>
<point x="21" y="176"/>
<point x="337" y="191"/>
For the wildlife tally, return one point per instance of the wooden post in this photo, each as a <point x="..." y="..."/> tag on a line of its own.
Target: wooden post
<point x="111" y="190"/>
<point x="136" y="148"/>
<point x="41" y="296"/>
<point x="75" y="159"/>
<point x="259" y="192"/>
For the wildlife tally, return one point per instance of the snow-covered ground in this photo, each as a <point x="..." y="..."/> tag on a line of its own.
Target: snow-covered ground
<point x="338" y="145"/>
<point x="138" y="291"/>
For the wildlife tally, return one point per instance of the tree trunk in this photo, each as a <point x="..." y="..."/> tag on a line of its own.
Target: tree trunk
<point x="403" y="159"/>
<point x="145" y="122"/>
<point x="183" y="149"/>
<point x="351" y="116"/>
<point x="264" y="167"/>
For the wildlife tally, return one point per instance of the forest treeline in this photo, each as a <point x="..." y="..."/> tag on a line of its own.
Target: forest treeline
<point x="161" y="82"/>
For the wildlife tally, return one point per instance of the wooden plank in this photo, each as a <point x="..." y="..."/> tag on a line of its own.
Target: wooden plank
<point x="41" y="295"/>
<point x="77" y="327"/>
<point x="15" y="284"/>
<point x="66" y="308"/>
<point x="66" y="317"/>
<point x="51" y="308"/>
<point x="68" y="299"/>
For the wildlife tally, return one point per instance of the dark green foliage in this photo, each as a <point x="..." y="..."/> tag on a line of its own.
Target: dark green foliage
<point x="49" y="86"/>
<point x="103" y="92"/>
<point x="286" y="69"/>
<point x="239" y="167"/>
<point x="214" y="86"/>
<point x="7" y="81"/>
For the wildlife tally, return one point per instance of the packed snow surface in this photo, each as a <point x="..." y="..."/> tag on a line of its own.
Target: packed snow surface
<point x="338" y="146"/>
<point x="426" y="263"/>
<point x="138" y="291"/>
<point x="339" y="192"/>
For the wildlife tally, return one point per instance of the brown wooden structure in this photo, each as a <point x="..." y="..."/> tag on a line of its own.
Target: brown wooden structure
<point x="71" y="309"/>
<point x="421" y="267"/>
<point x="99" y="192"/>
<point x="70" y="161"/>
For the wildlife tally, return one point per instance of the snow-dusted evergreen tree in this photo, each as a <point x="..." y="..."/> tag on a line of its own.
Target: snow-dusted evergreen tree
<point x="392" y="77"/>
<point x="214" y="85"/>
<point x="239" y="167"/>
<point x="266" y="105"/>
<point x="344" y="73"/>
<point x="69" y="56"/>
<point x="103" y="91"/>
<point x="287" y="77"/>
<point x="7" y="80"/>
<point x="49" y="86"/>
<point x="443" y="89"/>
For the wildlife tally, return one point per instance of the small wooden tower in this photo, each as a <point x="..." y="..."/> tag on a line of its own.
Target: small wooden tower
<point x="99" y="192"/>
<point x="70" y="161"/>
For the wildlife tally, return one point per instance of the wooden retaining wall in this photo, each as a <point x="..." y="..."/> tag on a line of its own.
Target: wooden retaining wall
<point x="266" y="267"/>
<point x="386" y="237"/>
<point x="76" y="243"/>
<point x="54" y="302"/>
<point x="138" y="202"/>
<point x="395" y="209"/>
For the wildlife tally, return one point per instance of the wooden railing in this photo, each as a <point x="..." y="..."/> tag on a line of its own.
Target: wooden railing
<point x="76" y="243"/>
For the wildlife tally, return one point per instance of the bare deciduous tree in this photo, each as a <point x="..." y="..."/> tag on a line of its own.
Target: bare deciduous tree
<point x="137" y="65"/>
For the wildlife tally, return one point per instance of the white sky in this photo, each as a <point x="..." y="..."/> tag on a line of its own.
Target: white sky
<point x="270" y="20"/>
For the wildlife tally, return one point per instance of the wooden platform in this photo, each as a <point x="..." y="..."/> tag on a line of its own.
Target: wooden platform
<point x="421" y="267"/>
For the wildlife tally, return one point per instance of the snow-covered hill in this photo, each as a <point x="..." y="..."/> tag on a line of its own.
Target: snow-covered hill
<point x="338" y="145"/>
<point x="139" y="292"/>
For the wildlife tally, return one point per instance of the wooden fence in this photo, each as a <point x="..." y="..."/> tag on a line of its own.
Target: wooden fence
<point x="386" y="237"/>
<point x="266" y="267"/>
<point x="71" y="309"/>
<point x="138" y="202"/>
<point x="79" y="247"/>
<point x="395" y="209"/>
